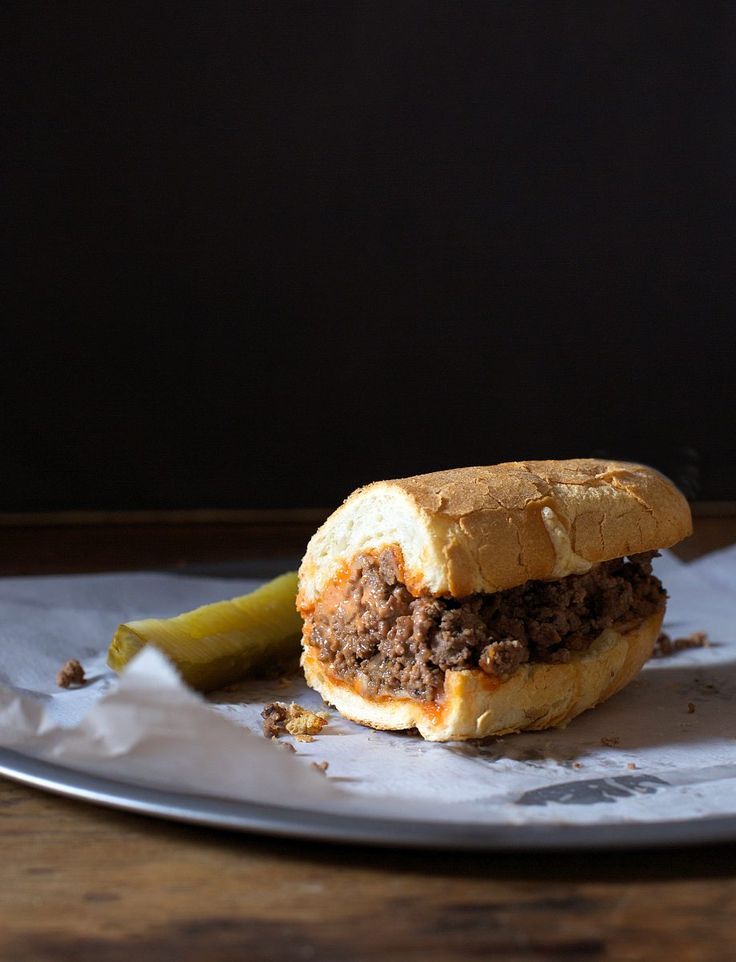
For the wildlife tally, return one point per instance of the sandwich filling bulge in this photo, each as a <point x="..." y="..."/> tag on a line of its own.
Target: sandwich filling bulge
<point x="369" y="629"/>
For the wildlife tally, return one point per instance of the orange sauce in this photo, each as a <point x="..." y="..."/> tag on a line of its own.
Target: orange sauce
<point x="341" y="576"/>
<point x="433" y="710"/>
<point x="487" y="681"/>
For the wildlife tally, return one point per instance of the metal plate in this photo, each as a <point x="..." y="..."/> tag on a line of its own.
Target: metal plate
<point x="305" y="824"/>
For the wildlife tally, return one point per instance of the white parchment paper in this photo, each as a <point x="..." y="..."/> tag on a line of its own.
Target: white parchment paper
<point x="674" y="728"/>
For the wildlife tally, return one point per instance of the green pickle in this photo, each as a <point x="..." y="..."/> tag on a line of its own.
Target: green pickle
<point x="220" y="644"/>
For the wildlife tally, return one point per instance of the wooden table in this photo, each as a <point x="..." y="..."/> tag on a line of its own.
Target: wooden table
<point x="87" y="884"/>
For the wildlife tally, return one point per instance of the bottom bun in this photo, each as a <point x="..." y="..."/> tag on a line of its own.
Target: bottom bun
<point x="475" y="705"/>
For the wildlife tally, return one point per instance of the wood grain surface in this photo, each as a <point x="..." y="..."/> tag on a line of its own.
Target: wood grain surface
<point x="83" y="883"/>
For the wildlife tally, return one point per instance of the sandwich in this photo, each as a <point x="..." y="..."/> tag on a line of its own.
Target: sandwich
<point x="487" y="600"/>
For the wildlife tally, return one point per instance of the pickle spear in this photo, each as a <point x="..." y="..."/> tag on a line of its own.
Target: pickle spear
<point x="219" y="644"/>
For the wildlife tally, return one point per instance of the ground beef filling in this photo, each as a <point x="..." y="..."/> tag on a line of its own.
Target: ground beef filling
<point x="373" y="628"/>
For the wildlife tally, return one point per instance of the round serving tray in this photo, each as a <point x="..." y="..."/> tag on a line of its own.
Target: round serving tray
<point x="328" y="827"/>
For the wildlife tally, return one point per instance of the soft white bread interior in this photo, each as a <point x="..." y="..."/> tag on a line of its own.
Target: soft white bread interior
<point x="485" y="529"/>
<point x="475" y="705"/>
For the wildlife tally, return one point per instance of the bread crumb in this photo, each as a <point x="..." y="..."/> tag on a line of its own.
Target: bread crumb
<point x="631" y="765"/>
<point x="304" y="738"/>
<point x="279" y="718"/>
<point x="610" y="741"/>
<point x="302" y="721"/>
<point x="665" y="646"/>
<point x="576" y="765"/>
<point x="320" y="766"/>
<point x="72" y="673"/>
<point x="690" y="708"/>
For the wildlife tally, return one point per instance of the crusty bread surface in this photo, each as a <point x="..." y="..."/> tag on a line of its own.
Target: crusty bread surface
<point x="485" y="529"/>
<point x="474" y="705"/>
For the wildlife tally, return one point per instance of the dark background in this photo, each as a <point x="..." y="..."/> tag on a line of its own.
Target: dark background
<point x="260" y="253"/>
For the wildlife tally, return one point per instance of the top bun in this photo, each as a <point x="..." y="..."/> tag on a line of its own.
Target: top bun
<point x="485" y="529"/>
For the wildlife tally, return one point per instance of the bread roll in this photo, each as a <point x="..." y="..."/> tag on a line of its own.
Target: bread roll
<point x="482" y="530"/>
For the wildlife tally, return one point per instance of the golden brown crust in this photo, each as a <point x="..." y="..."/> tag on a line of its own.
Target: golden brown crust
<point x="607" y="509"/>
<point x="485" y="529"/>
<point x="537" y="696"/>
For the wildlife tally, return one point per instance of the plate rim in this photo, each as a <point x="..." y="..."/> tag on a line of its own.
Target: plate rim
<point x="308" y="824"/>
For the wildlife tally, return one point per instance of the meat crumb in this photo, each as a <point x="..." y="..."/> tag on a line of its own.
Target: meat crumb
<point x="631" y="765"/>
<point x="70" y="674"/>
<point x="502" y="658"/>
<point x="665" y="646"/>
<point x="274" y="717"/>
<point x="610" y="741"/>
<point x="690" y="708"/>
<point x="320" y="766"/>
<point x="280" y="718"/>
